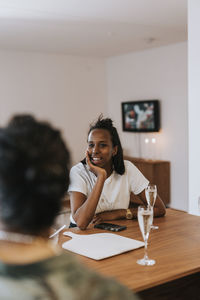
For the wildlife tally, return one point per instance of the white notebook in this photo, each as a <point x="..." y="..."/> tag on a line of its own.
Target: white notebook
<point x="100" y="245"/>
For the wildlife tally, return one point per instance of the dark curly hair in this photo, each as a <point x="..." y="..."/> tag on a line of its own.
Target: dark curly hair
<point x="107" y="124"/>
<point x="34" y="174"/>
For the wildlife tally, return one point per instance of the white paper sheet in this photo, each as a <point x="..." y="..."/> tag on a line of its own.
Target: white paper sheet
<point x="100" y="245"/>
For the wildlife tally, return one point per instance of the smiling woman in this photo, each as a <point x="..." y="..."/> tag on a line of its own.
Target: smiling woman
<point x="101" y="184"/>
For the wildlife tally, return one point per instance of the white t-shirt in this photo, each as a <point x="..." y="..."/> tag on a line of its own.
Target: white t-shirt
<point x="116" y="190"/>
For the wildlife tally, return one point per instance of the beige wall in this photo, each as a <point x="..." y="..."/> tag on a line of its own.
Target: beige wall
<point x="194" y="105"/>
<point x="159" y="73"/>
<point x="67" y="90"/>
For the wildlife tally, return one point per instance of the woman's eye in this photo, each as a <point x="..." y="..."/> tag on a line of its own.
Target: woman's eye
<point x="90" y="145"/>
<point x="103" y="145"/>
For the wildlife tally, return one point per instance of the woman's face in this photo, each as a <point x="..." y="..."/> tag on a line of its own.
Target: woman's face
<point x="100" y="148"/>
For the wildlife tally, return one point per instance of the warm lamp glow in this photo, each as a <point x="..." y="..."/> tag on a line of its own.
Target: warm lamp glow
<point x="146" y="141"/>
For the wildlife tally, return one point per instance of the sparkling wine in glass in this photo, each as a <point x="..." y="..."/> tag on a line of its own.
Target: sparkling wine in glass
<point x="145" y="219"/>
<point x="151" y="194"/>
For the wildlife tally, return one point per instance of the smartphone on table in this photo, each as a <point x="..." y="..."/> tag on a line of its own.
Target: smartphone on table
<point x="110" y="226"/>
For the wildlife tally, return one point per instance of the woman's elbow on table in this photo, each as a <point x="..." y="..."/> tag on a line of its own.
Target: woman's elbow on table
<point x="82" y="223"/>
<point x="159" y="211"/>
<point x="162" y="213"/>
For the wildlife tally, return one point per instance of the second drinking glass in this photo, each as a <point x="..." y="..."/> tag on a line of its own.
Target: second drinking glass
<point x="151" y="194"/>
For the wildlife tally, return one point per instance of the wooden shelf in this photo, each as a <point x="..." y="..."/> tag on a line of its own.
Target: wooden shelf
<point x="156" y="171"/>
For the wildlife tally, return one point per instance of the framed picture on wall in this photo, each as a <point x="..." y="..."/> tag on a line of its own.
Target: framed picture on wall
<point x="141" y="116"/>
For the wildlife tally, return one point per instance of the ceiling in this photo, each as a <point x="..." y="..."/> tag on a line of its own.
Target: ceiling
<point x="98" y="28"/>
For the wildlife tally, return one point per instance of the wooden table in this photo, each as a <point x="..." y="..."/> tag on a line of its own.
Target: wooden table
<point x="176" y="248"/>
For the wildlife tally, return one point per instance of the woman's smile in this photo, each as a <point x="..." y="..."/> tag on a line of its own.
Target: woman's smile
<point x="96" y="159"/>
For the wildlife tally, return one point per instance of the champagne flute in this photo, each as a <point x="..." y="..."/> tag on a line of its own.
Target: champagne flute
<point x="145" y="219"/>
<point x="151" y="194"/>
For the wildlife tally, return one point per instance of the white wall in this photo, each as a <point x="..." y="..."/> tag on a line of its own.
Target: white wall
<point x="67" y="90"/>
<point x="194" y="104"/>
<point x="159" y="73"/>
<point x="72" y="91"/>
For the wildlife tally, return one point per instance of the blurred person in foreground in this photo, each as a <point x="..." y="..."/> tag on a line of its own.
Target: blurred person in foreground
<point x="34" y="175"/>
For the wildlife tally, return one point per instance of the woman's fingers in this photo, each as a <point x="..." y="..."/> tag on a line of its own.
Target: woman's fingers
<point x="96" y="219"/>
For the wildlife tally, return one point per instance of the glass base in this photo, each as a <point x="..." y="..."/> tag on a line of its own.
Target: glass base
<point x="146" y="262"/>
<point x="154" y="227"/>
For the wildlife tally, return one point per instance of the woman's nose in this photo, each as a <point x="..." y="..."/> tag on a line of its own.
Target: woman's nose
<point x="95" y="149"/>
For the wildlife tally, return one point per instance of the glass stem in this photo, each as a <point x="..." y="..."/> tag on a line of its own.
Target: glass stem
<point x="145" y="249"/>
<point x="153" y="216"/>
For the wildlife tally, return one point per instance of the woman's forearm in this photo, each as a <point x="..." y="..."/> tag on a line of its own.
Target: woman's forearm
<point x="85" y="213"/>
<point x="116" y="214"/>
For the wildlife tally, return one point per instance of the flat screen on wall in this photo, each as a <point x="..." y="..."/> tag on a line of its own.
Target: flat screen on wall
<point x="141" y="116"/>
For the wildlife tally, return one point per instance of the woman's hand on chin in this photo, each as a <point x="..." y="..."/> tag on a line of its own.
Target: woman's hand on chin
<point x="95" y="169"/>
